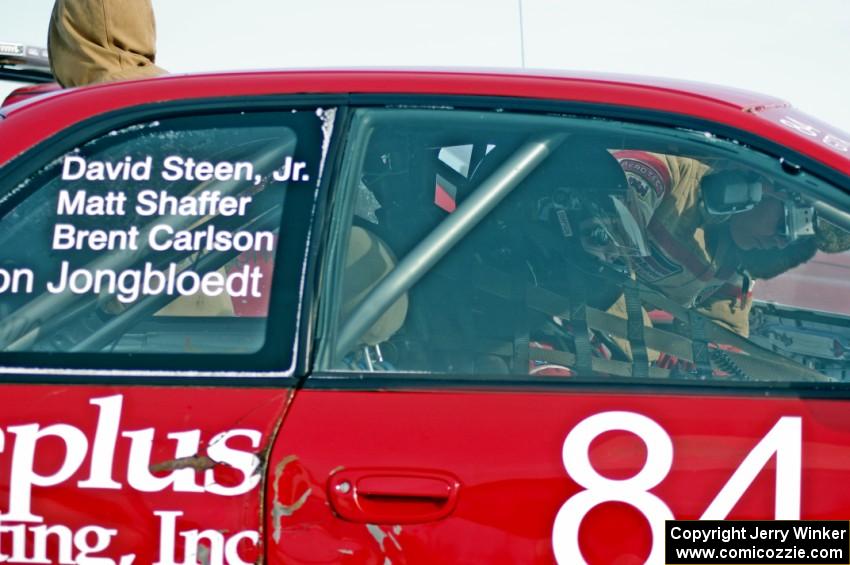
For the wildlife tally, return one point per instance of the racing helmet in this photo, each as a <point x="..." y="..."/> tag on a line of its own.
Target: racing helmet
<point x="584" y="199"/>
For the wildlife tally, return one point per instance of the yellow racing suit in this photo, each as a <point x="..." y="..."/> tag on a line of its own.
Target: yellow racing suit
<point x="692" y="258"/>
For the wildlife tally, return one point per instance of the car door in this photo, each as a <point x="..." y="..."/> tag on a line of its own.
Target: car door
<point x="501" y="376"/>
<point x="145" y="361"/>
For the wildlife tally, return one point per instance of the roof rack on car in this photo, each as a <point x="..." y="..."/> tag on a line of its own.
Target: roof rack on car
<point x="24" y="63"/>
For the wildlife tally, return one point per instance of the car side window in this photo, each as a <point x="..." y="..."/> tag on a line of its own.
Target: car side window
<point x="158" y="238"/>
<point x="495" y="243"/>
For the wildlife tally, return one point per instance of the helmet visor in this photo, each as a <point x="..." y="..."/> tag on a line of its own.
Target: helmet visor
<point x="614" y="231"/>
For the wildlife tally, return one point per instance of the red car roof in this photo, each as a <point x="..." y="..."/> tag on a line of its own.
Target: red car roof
<point x="31" y="121"/>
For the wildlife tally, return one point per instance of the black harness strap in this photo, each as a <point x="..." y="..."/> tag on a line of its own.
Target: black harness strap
<point x="521" y="323"/>
<point x="634" y="331"/>
<point x="699" y="343"/>
<point x="581" y="333"/>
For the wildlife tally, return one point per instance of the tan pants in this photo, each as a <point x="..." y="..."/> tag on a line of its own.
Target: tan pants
<point x="94" y="41"/>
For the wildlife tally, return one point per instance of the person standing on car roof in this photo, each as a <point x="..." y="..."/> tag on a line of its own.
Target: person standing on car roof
<point x="92" y="41"/>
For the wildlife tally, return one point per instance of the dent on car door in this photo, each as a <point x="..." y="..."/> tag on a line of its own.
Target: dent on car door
<point x="135" y="301"/>
<point x="540" y="338"/>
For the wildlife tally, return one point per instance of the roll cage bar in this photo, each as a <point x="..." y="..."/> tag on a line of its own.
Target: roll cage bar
<point x="746" y="359"/>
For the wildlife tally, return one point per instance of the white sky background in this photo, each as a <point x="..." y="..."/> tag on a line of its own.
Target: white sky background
<point x="793" y="49"/>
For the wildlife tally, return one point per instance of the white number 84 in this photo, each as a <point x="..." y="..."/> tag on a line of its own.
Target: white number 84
<point x="784" y="440"/>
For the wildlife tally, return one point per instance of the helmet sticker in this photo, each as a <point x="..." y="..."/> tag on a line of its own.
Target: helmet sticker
<point x="564" y="222"/>
<point x="644" y="172"/>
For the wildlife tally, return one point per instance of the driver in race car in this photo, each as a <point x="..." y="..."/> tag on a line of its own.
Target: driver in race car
<point x="695" y="234"/>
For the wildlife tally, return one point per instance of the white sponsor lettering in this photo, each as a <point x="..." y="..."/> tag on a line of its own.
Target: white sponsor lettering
<point x="163" y="237"/>
<point x="783" y="440"/>
<point x="36" y="544"/>
<point x="178" y="168"/>
<point x="128" y="285"/>
<point x="31" y="441"/>
<point x="222" y="550"/>
<point x="291" y="170"/>
<point x="837" y="143"/>
<point x="138" y="468"/>
<point x="829" y="139"/>
<point x="75" y="167"/>
<point x="599" y="489"/>
<point x="16" y="280"/>
<point x="103" y="447"/>
<point x="24" y="476"/>
<point x="82" y="203"/>
<point x="246" y="463"/>
<point x="26" y="538"/>
<point x="206" y="203"/>
<point x="68" y="236"/>
<point x="795" y="124"/>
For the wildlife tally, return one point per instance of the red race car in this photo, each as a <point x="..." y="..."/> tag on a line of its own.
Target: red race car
<point x="415" y="317"/>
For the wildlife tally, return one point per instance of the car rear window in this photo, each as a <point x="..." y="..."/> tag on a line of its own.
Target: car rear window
<point x="157" y="238"/>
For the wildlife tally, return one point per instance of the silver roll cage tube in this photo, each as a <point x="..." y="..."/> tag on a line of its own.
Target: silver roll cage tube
<point x="445" y="236"/>
<point x="831" y="214"/>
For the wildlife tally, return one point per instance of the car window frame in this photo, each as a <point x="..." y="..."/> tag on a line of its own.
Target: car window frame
<point x="270" y="364"/>
<point x="326" y="378"/>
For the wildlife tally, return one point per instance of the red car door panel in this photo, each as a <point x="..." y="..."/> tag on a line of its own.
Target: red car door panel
<point x="112" y="479"/>
<point x="507" y="450"/>
<point x="165" y="363"/>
